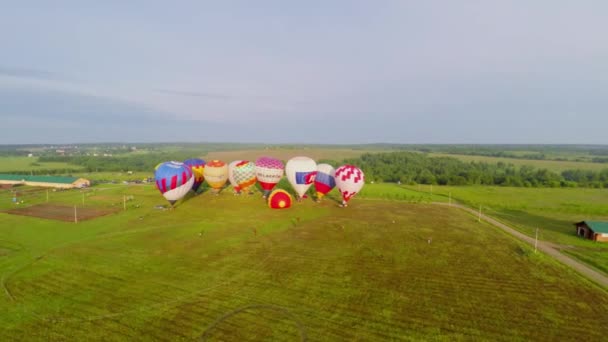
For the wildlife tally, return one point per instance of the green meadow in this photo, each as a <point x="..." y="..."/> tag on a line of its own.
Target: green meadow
<point x="551" y="165"/>
<point x="390" y="266"/>
<point x="31" y="164"/>
<point x="552" y="210"/>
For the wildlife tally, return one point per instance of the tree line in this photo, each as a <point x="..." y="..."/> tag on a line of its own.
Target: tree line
<point x="418" y="168"/>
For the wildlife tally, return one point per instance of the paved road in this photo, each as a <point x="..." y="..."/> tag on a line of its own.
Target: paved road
<point x="547" y="247"/>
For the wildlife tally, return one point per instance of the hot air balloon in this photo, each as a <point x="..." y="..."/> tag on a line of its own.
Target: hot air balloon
<point x="174" y="180"/>
<point x="198" y="167"/>
<point x="216" y="174"/>
<point x="301" y="172"/>
<point x="279" y="199"/>
<point x="244" y="175"/>
<point x="269" y="172"/>
<point x="349" y="180"/>
<point x="231" y="179"/>
<point x="325" y="180"/>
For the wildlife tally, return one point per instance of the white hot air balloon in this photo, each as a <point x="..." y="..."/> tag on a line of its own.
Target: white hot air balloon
<point x="349" y="180"/>
<point x="301" y="172"/>
<point x="269" y="172"/>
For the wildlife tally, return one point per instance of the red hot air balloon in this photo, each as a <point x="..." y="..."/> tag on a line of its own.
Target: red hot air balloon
<point x="279" y="199"/>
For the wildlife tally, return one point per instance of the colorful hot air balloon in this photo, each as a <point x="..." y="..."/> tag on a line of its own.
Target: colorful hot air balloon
<point x="325" y="180"/>
<point x="198" y="168"/>
<point x="174" y="180"/>
<point x="279" y="199"/>
<point x="301" y="172"/>
<point x="349" y="180"/>
<point x="231" y="179"/>
<point x="269" y="172"/>
<point x="216" y="174"/>
<point x="244" y="175"/>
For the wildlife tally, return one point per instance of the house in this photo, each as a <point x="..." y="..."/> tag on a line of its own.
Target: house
<point x="45" y="181"/>
<point x="592" y="230"/>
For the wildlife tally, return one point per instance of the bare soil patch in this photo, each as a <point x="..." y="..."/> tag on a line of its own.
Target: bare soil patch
<point x="60" y="212"/>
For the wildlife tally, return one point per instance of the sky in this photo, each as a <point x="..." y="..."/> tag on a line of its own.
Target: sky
<point x="330" y="72"/>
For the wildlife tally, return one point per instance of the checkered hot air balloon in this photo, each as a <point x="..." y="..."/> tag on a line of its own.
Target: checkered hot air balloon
<point x="198" y="167"/>
<point x="269" y="172"/>
<point x="349" y="180"/>
<point x="325" y="180"/>
<point x="173" y="180"/>
<point x="244" y="175"/>
<point x="216" y="174"/>
<point x="301" y="172"/>
<point x="231" y="179"/>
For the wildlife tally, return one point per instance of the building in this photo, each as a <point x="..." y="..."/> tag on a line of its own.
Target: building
<point x="45" y="181"/>
<point x="592" y="230"/>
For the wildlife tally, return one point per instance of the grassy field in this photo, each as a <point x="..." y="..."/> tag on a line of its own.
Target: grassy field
<point x="552" y="210"/>
<point x="228" y="268"/>
<point x="552" y="165"/>
<point x="10" y="164"/>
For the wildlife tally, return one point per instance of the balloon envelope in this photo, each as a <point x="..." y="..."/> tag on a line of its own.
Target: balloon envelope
<point x="231" y="178"/>
<point x="279" y="199"/>
<point x="216" y="174"/>
<point x="301" y="172"/>
<point x="244" y="174"/>
<point x="325" y="180"/>
<point x="173" y="180"/>
<point x="349" y="180"/>
<point x="269" y="172"/>
<point x="198" y="167"/>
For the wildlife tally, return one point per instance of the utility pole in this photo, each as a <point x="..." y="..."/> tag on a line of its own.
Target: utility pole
<point x="83" y="198"/>
<point x="479" y="216"/>
<point x="47" y="195"/>
<point x="75" y="215"/>
<point x="450" y="198"/>
<point x="124" y="202"/>
<point x="536" y="240"/>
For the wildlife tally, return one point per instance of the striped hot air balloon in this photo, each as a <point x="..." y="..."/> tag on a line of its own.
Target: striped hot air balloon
<point x="325" y="180"/>
<point x="244" y="175"/>
<point x="349" y="180"/>
<point x="216" y="174"/>
<point x="231" y="179"/>
<point x="173" y="180"/>
<point x="269" y="172"/>
<point x="301" y="172"/>
<point x="198" y="167"/>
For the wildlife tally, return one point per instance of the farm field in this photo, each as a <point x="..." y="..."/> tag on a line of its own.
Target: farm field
<point x="228" y="268"/>
<point x="11" y="164"/>
<point x="552" y="210"/>
<point x="551" y="165"/>
<point x="336" y="154"/>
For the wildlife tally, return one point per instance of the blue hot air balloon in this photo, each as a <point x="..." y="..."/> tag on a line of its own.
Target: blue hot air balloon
<point x="174" y="180"/>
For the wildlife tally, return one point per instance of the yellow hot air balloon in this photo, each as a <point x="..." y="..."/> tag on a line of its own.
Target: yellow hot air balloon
<point x="216" y="174"/>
